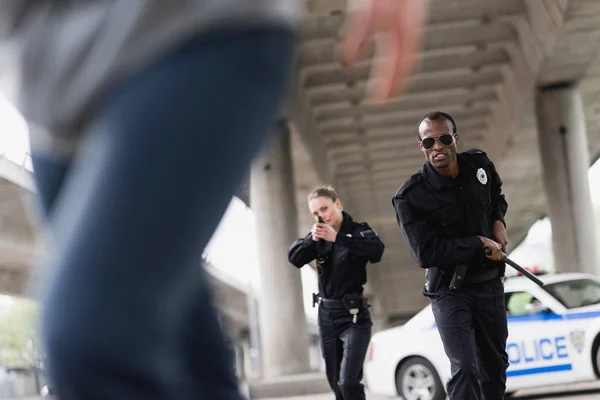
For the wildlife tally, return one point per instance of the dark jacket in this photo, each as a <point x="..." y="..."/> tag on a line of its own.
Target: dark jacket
<point x="441" y="218"/>
<point x="344" y="268"/>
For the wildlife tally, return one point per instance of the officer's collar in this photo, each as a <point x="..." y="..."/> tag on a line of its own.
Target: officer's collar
<point x="346" y="223"/>
<point x="438" y="181"/>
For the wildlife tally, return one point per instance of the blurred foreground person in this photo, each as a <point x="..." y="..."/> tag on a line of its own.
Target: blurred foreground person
<point x="144" y="116"/>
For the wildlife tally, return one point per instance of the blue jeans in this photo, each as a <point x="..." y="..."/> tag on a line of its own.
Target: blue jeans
<point x="128" y="313"/>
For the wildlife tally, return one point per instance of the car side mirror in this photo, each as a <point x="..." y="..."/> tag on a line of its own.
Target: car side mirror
<point x="536" y="307"/>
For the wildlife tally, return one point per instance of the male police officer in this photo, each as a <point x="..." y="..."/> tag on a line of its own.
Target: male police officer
<point x="449" y="211"/>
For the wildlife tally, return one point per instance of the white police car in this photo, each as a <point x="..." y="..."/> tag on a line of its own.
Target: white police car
<point x="554" y="338"/>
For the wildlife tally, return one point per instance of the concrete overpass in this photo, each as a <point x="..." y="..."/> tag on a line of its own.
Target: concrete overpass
<point x="481" y="61"/>
<point x="17" y="227"/>
<point x="521" y="78"/>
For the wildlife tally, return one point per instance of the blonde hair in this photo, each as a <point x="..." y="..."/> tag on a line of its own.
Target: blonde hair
<point x="323" y="191"/>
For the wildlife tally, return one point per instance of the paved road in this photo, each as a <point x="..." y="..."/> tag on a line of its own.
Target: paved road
<point x="584" y="391"/>
<point x="587" y="391"/>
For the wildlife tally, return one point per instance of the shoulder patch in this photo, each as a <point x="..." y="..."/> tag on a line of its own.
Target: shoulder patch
<point x="403" y="213"/>
<point x="364" y="229"/>
<point x="368" y="233"/>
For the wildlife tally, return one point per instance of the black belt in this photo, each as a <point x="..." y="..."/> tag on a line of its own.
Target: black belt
<point x="330" y="303"/>
<point x="334" y="303"/>
<point x="353" y="302"/>
<point x="483" y="276"/>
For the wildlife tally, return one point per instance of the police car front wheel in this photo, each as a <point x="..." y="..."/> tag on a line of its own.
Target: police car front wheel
<point x="416" y="379"/>
<point x="597" y="356"/>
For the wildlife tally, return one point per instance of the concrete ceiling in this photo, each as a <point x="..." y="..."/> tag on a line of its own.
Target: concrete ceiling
<point x="481" y="61"/>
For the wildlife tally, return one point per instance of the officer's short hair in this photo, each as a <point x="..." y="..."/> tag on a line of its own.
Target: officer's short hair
<point x="432" y="116"/>
<point x="323" y="191"/>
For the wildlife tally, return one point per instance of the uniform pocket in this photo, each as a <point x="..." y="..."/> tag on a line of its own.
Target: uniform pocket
<point x="484" y="196"/>
<point x="343" y="254"/>
<point x="444" y="217"/>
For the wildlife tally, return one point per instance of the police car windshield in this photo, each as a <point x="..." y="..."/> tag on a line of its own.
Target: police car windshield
<point x="575" y="293"/>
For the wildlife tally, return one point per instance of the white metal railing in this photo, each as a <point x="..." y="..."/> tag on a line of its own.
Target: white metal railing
<point x="24" y="162"/>
<point x="18" y="171"/>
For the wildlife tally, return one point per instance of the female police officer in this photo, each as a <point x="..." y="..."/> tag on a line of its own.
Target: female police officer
<point x="342" y="248"/>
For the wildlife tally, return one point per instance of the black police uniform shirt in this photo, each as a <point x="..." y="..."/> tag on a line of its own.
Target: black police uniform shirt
<point x="442" y="218"/>
<point x="345" y="260"/>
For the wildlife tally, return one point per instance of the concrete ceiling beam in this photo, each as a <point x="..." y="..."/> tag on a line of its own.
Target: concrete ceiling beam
<point x="428" y="64"/>
<point x="409" y="114"/>
<point x="327" y="18"/>
<point x="301" y="119"/>
<point x="448" y="100"/>
<point x="464" y="79"/>
<point x="439" y="37"/>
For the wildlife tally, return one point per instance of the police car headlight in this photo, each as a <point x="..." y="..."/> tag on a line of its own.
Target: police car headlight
<point x="370" y="351"/>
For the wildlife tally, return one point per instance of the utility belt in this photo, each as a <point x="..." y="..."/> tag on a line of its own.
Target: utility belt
<point x="484" y="276"/>
<point x="434" y="277"/>
<point x="353" y="302"/>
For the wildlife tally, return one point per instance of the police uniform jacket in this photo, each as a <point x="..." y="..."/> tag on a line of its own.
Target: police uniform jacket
<point x="344" y="261"/>
<point x="441" y="218"/>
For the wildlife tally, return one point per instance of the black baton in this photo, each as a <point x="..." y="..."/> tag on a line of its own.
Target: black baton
<point x="527" y="274"/>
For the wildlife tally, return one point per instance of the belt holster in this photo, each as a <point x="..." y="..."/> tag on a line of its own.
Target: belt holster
<point x="458" y="277"/>
<point x="433" y="278"/>
<point x="315" y="299"/>
<point x="354" y="301"/>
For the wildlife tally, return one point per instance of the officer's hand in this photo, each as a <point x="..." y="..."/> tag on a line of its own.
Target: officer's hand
<point x="494" y="246"/>
<point x="499" y="234"/>
<point x="313" y="232"/>
<point x="400" y="24"/>
<point x="324" y="231"/>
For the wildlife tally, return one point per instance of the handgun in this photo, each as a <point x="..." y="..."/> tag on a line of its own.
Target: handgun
<point x="320" y="257"/>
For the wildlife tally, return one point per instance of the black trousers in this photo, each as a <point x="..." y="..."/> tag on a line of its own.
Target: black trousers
<point x="344" y="346"/>
<point x="472" y="324"/>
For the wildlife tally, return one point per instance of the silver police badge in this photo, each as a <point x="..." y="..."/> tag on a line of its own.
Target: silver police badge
<point x="482" y="176"/>
<point x="578" y="340"/>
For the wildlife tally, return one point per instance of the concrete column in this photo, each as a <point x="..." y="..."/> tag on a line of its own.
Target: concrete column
<point x="249" y="371"/>
<point x="377" y="314"/>
<point x="565" y="160"/>
<point x="283" y="330"/>
<point x="243" y="192"/>
<point x="254" y="335"/>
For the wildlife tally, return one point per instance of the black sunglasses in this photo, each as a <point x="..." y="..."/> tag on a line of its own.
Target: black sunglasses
<point x="445" y="139"/>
